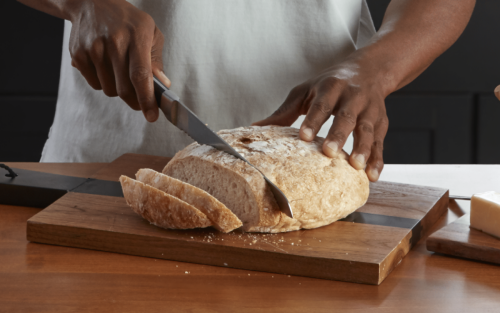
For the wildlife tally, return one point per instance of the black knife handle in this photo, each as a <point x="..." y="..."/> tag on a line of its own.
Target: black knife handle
<point x="159" y="89"/>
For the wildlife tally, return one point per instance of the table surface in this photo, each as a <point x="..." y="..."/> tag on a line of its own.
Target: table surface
<point x="45" y="278"/>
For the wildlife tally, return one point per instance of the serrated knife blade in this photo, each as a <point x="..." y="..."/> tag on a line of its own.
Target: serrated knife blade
<point x="182" y="117"/>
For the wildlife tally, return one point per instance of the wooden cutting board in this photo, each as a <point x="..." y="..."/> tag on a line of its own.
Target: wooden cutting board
<point x="363" y="248"/>
<point x="458" y="239"/>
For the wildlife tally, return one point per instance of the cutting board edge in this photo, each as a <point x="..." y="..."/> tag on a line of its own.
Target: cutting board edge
<point x="453" y="248"/>
<point x="439" y="208"/>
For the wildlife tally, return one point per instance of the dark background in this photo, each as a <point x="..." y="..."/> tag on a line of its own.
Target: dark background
<point x="447" y="115"/>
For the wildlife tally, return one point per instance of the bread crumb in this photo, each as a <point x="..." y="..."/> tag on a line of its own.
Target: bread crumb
<point x="186" y="272"/>
<point x="225" y="264"/>
<point x="292" y="243"/>
<point x="320" y="241"/>
<point x="248" y="274"/>
<point x="288" y="275"/>
<point x="177" y="266"/>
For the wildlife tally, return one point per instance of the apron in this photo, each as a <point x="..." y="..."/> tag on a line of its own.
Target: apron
<point x="232" y="62"/>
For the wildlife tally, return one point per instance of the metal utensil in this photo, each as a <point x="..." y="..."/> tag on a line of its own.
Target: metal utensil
<point x="182" y="117"/>
<point x="459" y="197"/>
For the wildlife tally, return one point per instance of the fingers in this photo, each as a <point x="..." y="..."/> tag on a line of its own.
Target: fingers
<point x="289" y="111"/>
<point x="82" y="62"/>
<point x="369" y="129"/>
<point x="343" y="124"/>
<point x="141" y="76"/>
<point x="363" y="139"/>
<point x="320" y="109"/>
<point x="375" y="163"/>
<point x="157" y="57"/>
<point x="364" y="136"/>
<point x="497" y="92"/>
<point x="104" y="68"/>
<point x="117" y="51"/>
<point x="120" y="61"/>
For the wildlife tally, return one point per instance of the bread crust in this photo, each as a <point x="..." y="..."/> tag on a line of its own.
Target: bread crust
<point x="221" y="217"/>
<point x="160" y="208"/>
<point x="320" y="189"/>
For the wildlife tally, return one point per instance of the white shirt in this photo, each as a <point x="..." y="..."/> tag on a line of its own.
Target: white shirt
<point x="232" y="62"/>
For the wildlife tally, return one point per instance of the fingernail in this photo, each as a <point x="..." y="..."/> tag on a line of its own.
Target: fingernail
<point x="333" y="147"/>
<point x="374" y="174"/>
<point x="151" y="116"/>
<point x="308" y="133"/>
<point x="165" y="79"/>
<point x="360" y="159"/>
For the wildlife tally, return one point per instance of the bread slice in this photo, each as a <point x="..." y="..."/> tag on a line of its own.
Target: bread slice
<point x="160" y="208"/>
<point x="320" y="189"/>
<point x="221" y="217"/>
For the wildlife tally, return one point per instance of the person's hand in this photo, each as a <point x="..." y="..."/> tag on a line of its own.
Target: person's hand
<point x="118" y="48"/>
<point x="353" y="93"/>
<point x="497" y="92"/>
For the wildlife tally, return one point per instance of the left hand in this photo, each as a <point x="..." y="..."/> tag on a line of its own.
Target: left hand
<point x="353" y="92"/>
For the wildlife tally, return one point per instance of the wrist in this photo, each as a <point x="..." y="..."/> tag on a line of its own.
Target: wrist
<point x="72" y="9"/>
<point x="380" y="66"/>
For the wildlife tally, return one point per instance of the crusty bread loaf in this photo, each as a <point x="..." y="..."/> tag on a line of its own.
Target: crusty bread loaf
<point x="221" y="217"/>
<point x="321" y="190"/>
<point x="160" y="208"/>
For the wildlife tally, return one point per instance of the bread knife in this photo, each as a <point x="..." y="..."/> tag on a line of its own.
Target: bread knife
<point x="182" y="117"/>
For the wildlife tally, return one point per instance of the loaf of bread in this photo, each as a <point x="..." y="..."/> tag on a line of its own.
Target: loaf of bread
<point x="320" y="189"/>
<point x="220" y="216"/>
<point x="160" y="208"/>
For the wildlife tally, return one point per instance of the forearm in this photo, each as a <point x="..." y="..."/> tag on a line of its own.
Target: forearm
<point x="413" y="34"/>
<point x="65" y="9"/>
<point x="59" y="8"/>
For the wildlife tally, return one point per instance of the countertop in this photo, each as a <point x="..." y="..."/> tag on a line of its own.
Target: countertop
<point x="44" y="278"/>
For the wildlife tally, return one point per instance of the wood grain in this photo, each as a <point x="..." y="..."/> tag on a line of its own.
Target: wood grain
<point x="458" y="239"/>
<point x="128" y="164"/>
<point x="48" y="278"/>
<point x="347" y="251"/>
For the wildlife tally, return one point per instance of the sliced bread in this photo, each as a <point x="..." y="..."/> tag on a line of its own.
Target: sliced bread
<point x="221" y="217"/>
<point x="160" y="208"/>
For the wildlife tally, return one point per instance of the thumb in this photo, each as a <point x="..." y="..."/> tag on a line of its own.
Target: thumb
<point x="157" y="57"/>
<point x="288" y="112"/>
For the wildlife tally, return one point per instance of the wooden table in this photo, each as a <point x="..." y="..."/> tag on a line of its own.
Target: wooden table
<point x="44" y="278"/>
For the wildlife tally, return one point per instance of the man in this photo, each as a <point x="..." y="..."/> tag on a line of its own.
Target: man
<point x="231" y="62"/>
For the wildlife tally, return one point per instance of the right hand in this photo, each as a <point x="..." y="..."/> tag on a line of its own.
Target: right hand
<point x="118" y="48"/>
